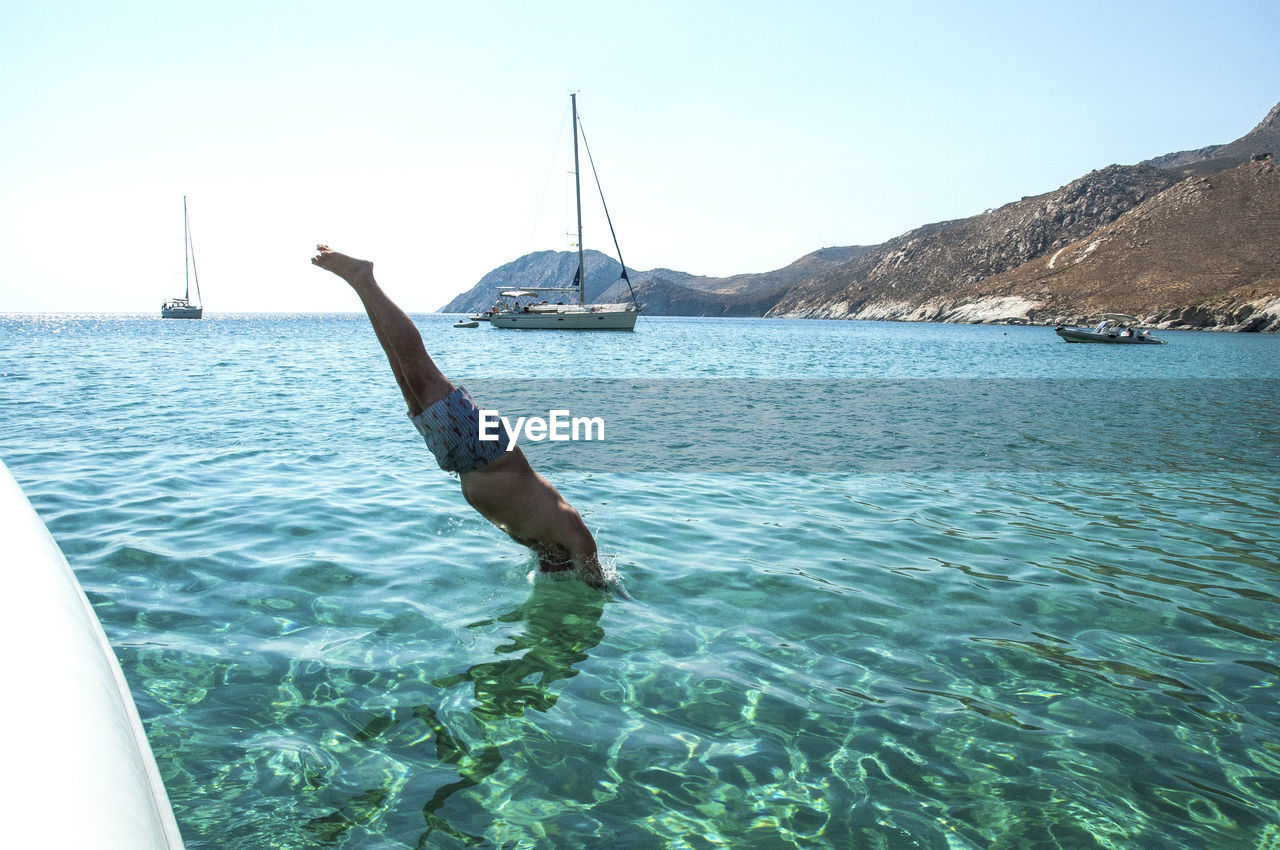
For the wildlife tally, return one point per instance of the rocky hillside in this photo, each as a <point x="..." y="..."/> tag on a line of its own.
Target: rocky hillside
<point x="906" y="277"/>
<point x="663" y="292"/>
<point x="541" y="269"/>
<point x="1265" y="138"/>
<point x="667" y="293"/>
<point x="1188" y="239"/>
<point x="1204" y="253"/>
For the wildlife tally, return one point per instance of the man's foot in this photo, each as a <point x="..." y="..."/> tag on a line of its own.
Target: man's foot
<point x="353" y="271"/>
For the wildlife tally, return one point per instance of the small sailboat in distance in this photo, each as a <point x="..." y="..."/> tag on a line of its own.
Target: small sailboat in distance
<point x="182" y="308"/>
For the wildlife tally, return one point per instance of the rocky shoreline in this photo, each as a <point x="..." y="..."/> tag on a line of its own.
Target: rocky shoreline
<point x="1243" y="319"/>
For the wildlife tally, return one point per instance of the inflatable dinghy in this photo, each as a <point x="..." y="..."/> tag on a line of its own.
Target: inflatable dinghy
<point x="79" y="772"/>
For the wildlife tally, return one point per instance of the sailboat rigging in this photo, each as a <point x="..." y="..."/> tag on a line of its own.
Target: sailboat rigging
<point x="527" y="308"/>
<point x="182" y="308"/>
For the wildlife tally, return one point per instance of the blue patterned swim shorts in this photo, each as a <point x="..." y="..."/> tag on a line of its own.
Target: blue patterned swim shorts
<point x="451" y="428"/>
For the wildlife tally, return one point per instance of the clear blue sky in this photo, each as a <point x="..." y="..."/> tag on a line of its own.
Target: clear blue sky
<point x="730" y="136"/>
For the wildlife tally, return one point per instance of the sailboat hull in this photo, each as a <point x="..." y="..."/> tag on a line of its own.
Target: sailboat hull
<point x="613" y="320"/>
<point x="181" y="312"/>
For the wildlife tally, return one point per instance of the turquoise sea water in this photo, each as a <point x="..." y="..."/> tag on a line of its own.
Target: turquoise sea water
<point x="329" y="649"/>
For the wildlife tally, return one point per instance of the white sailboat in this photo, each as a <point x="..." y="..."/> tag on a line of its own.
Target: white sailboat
<point x="530" y="309"/>
<point x="182" y="308"/>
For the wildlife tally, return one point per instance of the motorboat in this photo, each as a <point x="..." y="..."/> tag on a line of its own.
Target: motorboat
<point x="1113" y="329"/>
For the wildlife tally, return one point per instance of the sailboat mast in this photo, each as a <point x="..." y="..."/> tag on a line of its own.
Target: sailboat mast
<point x="577" y="187"/>
<point x="191" y="246"/>
<point x="186" y="249"/>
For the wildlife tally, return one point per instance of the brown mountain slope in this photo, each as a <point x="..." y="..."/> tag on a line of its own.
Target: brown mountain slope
<point x="1264" y="138"/>
<point x="1203" y="253"/>
<point x="911" y="276"/>
<point x="671" y="293"/>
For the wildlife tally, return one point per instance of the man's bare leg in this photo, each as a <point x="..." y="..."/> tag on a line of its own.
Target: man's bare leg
<point x="421" y="382"/>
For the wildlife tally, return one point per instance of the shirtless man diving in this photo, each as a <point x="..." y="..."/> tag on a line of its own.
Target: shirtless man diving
<point x="500" y="484"/>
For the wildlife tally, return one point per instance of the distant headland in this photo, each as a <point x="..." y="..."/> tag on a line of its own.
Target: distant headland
<point x="1189" y="239"/>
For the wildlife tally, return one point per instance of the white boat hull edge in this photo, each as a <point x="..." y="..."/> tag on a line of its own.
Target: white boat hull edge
<point x="610" y="321"/>
<point x="79" y="770"/>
